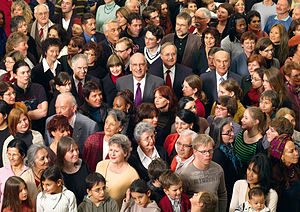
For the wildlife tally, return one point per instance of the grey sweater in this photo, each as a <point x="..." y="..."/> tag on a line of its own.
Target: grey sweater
<point x="212" y="179"/>
<point x="106" y="205"/>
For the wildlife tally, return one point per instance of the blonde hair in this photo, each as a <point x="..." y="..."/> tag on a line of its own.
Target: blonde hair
<point x="27" y="13"/>
<point x="14" y="39"/>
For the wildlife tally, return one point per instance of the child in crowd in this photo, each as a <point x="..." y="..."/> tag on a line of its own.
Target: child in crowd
<point x="97" y="198"/>
<point x="15" y="196"/>
<point x="252" y="97"/>
<point x="204" y="201"/>
<point x="256" y="202"/>
<point x="140" y="193"/>
<point x="55" y="197"/>
<point x="268" y="103"/>
<point x="155" y="169"/>
<point x="174" y="200"/>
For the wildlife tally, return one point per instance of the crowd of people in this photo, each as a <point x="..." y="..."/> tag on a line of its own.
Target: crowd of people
<point x="150" y="105"/>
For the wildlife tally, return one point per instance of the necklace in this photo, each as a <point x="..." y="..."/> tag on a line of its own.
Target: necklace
<point x="292" y="173"/>
<point x="109" y="9"/>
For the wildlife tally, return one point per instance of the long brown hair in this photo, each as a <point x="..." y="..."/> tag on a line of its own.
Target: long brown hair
<point x="195" y="81"/>
<point x="64" y="145"/>
<point x="11" y="195"/>
<point x="13" y="119"/>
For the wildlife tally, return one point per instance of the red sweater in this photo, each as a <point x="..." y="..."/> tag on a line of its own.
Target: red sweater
<point x="165" y="204"/>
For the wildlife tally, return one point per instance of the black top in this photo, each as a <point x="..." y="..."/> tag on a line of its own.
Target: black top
<point x="109" y="90"/>
<point x="65" y="65"/>
<point x="180" y="43"/>
<point x="138" y="42"/>
<point x="135" y="161"/>
<point x="3" y="136"/>
<point x="76" y="182"/>
<point x="199" y="61"/>
<point x="97" y="70"/>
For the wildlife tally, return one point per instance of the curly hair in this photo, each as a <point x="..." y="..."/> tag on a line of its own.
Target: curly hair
<point x="27" y="12"/>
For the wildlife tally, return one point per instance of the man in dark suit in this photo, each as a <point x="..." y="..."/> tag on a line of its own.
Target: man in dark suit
<point x="67" y="15"/>
<point x="211" y="80"/>
<point x="89" y="34"/>
<point x="139" y="82"/>
<point x="185" y="42"/>
<point x="82" y="126"/>
<point x="80" y="67"/>
<point x="177" y="72"/>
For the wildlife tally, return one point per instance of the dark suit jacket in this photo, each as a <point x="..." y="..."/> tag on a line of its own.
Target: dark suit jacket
<point x="74" y="90"/>
<point x="152" y="82"/>
<point x="181" y="72"/>
<point x="58" y="20"/>
<point x="39" y="76"/>
<point x="135" y="161"/>
<point x="209" y="86"/>
<point x="109" y="90"/>
<point x="199" y="62"/>
<point x="99" y="36"/>
<point x="83" y="128"/>
<point x="193" y="44"/>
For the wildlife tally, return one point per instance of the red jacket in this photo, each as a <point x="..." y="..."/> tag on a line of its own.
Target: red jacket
<point x="165" y="204"/>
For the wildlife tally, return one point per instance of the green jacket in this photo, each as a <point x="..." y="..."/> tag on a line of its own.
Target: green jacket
<point x="106" y="205"/>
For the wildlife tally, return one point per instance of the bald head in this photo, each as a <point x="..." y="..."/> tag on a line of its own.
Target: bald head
<point x="222" y="62"/>
<point x="138" y="66"/>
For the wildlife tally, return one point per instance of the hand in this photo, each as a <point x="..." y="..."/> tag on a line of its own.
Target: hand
<point x="127" y="195"/>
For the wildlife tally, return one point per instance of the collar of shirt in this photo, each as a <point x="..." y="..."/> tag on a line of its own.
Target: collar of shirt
<point x="142" y="86"/>
<point x="45" y="30"/>
<point x="176" y="204"/>
<point x="144" y="158"/>
<point x="151" y="56"/>
<point x="76" y="81"/>
<point x="284" y="19"/>
<point x="172" y="73"/>
<point x="46" y="66"/>
<point x="88" y="38"/>
<point x="218" y="79"/>
<point x="181" y="165"/>
<point x="72" y="123"/>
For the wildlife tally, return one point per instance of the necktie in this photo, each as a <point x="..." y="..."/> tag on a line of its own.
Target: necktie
<point x="79" y="88"/>
<point x="221" y="79"/>
<point x="138" y="95"/>
<point x="92" y="39"/>
<point x="168" y="79"/>
<point x="41" y="32"/>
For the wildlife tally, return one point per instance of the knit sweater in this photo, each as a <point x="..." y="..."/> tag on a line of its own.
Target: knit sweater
<point x="133" y="207"/>
<point x="61" y="202"/>
<point x="106" y="205"/>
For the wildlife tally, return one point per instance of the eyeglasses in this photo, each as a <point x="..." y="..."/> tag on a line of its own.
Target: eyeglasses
<point x="269" y="50"/>
<point x="228" y="132"/>
<point x="204" y="152"/>
<point x="255" y="79"/>
<point x="99" y="190"/>
<point x="183" y="145"/>
<point x="121" y="51"/>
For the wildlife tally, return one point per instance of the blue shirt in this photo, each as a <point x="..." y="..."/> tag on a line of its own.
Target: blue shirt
<point x="89" y="39"/>
<point x="273" y="19"/>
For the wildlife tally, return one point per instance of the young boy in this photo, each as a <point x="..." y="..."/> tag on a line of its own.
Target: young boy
<point x="97" y="199"/>
<point x="155" y="169"/>
<point x="256" y="202"/>
<point x="204" y="201"/>
<point x="174" y="200"/>
<point x="268" y="103"/>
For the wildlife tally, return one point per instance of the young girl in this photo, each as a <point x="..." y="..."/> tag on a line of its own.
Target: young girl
<point x="252" y="97"/>
<point x="140" y="193"/>
<point x="15" y="198"/>
<point x="55" y="197"/>
<point x="231" y="88"/>
<point x="249" y="141"/>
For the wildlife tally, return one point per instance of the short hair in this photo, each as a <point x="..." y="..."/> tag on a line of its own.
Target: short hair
<point x="13" y="119"/>
<point x="123" y="142"/>
<point x="262" y="44"/>
<point x="107" y="22"/>
<point x="169" y="178"/>
<point x="156" y="168"/>
<point x="46" y="44"/>
<point x="114" y="60"/>
<point x="20" y="145"/>
<point x="251" y="14"/>
<point x="183" y="101"/>
<point x="78" y="42"/>
<point x="127" y="41"/>
<point x="18" y="65"/>
<point x="51" y="173"/>
<point x="255" y="191"/>
<point x="169" y="94"/>
<point x="206" y="12"/>
<point x="185" y="16"/>
<point x="188" y="132"/>
<point x="229" y="102"/>
<point x="32" y="152"/>
<point x="214" y="32"/>
<point x="166" y="44"/>
<point x="62" y="78"/>
<point x="14" y="40"/>
<point x="97" y="48"/>
<point x="15" y="55"/>
<point x="258" y="58"/>
<point x="40" y="5"/>
<point x="282" y="126"/>
<point x="285" y="111"/>
<point x="141" y="128"/>
<point x="4" y="86"/>
<point x="89" y="87"/>
<point x="145" y="110"/>
<point x="77" y="57"/>
<point x="232" y="86"/>
<point x="202" y="140"/>
<point x="289" y="66"/>
<point x="214" y="50"/>
<point x="4" y="108"/>
<point x="189" y="117"/>
<point x="128" y="97"/>
<point x="293" y="26"/>
<point x="139" y="186"/>
<point x="94" y="179"/>
<point x="147" y="11"/>
<point x="118" y="115"/>
<point x="260" y="72"/>
<point x="216" y="129"/>
<point x="58" y="122"/>
<point x="272" y="96"/>
<point x="64" y="145"/>
<point x="209" y="200"/>
<point x="124" y="12"/>
<point x="133" y="16"/>
<point x="62" y="34"/>
<point x="86" y="16"/>
<point x="15" y="22"/>
<point x="156" y="31"/>
<point x="228" y="7"/>
<point x="248" y="36"/>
